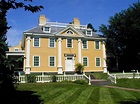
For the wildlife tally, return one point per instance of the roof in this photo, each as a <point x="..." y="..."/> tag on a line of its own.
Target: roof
<point x="58" y="27"/>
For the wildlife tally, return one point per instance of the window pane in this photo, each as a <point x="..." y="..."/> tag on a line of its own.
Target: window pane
<point x="88" y="32"/>
<point x="85" y="44"/>
<point x="69" y="43"/>
<point x="36" y="60"/>
<point x="51" y="61"/>
<point x="85" y="61"/>
<point x="36" y="42"/>
<point x="97" y="45"/>
<point x="47" y="29"/>
<point x="97" y="61"/>
<point x="52" y="42"/>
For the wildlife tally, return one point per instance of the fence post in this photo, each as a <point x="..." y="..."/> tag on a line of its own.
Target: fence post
<point x="115" y="78"/>
<point x="42" y="77"/>
<point x="89" y="83"/>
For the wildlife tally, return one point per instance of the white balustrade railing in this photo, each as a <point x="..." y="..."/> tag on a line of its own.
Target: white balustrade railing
<point x="112" y="77"/>
<point x="48" y="78"/>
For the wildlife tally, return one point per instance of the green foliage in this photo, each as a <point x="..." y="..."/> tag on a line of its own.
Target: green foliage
<point x="91" y="27"/>
<point x="54" y="79"/>
<point x="6" y="72"/>
<point x="79" y="68"/>
<point x="80" y="81"/>
<point x="123" y="37"/>
<point x="31" y="78"/>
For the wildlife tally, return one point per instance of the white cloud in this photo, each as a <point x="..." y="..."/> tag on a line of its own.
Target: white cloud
<point x="14" y="36"/>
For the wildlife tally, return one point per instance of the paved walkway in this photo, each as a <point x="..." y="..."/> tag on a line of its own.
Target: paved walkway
<point x="122" y="88"/>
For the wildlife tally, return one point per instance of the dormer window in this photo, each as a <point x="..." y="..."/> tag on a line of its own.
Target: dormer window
<point x="47" y="29"/>
<point x="89" y="32"/>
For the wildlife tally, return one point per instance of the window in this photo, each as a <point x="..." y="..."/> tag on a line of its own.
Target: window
<point x="47" y="29"/>
<point x="52" y="42"/>
<point x="98" y="62"/>
<point x="89" y="32"/>
<point x="36" y="42"/>
<point x="16" y="49"/>
<point x="69" y="32"/>
<point x="85" y="61"/>
<point x="85" y="44"/>
<point x="36" y="61"/>
<point x="97" y="45"/>
<point x="52" y="61"/>
<point x="69" y="43"/>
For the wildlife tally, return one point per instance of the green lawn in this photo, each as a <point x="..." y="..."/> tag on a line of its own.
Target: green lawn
<point x="70" y="93"/>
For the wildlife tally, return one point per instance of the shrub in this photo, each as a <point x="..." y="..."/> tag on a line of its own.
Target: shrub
<point x="54" y="78"/>
<point x="31" y="78"/>
<point x="80" y="81"/>
<point x="79" y="68"/>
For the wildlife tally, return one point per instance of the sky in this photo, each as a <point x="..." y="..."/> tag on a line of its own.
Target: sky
<point x="96" y="12"/>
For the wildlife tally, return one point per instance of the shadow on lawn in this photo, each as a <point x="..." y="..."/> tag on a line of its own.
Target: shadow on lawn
<point x="131" y="101"/>
<point x="20" y="97"/>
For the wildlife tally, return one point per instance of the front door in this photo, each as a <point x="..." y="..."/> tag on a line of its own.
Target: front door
<point x="69" y="64"/>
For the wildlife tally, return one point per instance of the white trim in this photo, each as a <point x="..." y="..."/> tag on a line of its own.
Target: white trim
<point x="49" y="43"/>
<point x="59" y="52"/>
<point x="79" y="51"/>
<point x="19" y="53"/>
<point x="95" y="44"/>
<point x="33" y="60"/>
<point x="54" y="61"/>
<point x="71" y="43"/>
<point x="86" y="44"/>
<point x="87" y="61"/>
<point x="33" y="41"/>
<point x="28" y="51"/>
<point x="95" y="61"/>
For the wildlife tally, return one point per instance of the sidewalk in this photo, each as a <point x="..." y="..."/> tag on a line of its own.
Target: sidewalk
<point x="122" y="88"/>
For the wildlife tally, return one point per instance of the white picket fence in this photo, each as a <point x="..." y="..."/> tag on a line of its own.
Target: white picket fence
<point x="48" y="78"/>
<point x="113" y="77"/>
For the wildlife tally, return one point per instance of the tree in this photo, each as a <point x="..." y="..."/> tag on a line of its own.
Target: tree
<point x="123" y="35"/>
<point x="91" y="27"/>
<point x="5" y="73"/>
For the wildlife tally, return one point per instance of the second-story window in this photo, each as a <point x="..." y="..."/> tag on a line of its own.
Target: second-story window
<point x="69" y="43"/>
<point x="97" y="45"/>
<point x="85" y="44"/>
<point x="36" y="42"/>
<point x="52" y="42"/>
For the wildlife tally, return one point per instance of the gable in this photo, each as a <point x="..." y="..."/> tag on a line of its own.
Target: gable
<point x="70" y="31"/>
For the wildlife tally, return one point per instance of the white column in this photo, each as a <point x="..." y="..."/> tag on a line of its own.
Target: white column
<point x="79" y="50"/>
<point x="27" y="67"/>
<point x="104" y="58"/>
<point x="59" y="56"/>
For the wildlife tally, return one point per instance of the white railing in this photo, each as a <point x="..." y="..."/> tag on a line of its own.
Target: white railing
<point x="48" y="78"/>
<point x="112" y="77"/>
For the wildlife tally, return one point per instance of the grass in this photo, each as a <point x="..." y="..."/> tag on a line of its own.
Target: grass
<point x="128" y="83"/>
<point x="71" y="93"/>
<point x="99" y="75"/>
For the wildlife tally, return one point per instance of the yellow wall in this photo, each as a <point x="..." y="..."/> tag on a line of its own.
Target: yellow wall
<point x="44" y="52"/>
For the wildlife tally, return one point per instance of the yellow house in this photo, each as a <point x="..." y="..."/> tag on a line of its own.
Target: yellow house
<point x="57" y="47"/>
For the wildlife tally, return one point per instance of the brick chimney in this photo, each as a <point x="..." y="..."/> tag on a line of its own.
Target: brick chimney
<point x="42" y="20"/>
<point x="76" y="23"/>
